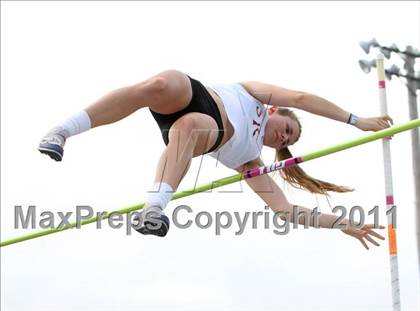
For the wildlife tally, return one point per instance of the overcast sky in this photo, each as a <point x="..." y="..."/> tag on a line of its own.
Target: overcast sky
<point x="56" y="58"/>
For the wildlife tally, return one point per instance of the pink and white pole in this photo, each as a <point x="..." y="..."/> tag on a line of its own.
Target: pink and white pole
<point x="392" y="236"/>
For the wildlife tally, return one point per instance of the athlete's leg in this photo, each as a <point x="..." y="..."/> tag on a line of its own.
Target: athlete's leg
<point x="191" y="135"/>
<point x="166" y="92"/>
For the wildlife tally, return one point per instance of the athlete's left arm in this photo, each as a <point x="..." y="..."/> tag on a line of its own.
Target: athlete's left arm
<point x="277" y="96"/>
<point x="274" y="197"/>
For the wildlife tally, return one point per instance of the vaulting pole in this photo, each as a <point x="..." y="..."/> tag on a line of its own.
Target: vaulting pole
<point x="238" y="177"/>
<point x="389" y="192"/>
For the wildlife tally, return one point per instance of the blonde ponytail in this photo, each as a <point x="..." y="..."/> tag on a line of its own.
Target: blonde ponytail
<point x="296" y="176"/>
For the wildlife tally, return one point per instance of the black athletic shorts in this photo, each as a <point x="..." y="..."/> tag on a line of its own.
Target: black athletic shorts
<point x="202" y="102"/>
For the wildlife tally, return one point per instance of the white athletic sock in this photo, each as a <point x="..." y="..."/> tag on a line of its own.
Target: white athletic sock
<point x="159" y="195"/>
<point x="76" y="124"/>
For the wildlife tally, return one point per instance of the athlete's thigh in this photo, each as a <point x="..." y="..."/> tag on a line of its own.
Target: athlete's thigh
<point x="174" y="94"/>
<point x="197" y="127"/>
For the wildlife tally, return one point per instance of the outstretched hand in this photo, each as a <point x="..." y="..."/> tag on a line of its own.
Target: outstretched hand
<point x="374" y="124"/>
<point x="364" y="234"/>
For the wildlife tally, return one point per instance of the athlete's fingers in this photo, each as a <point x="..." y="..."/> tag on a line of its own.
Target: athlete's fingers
<point x="384" y="123"/>
<point x="363" y="242"/>
<point x="375" y="234"/>
<point x="373" y="226"/>
<point x="388" y="118"/>
<point x="367" y="237"/>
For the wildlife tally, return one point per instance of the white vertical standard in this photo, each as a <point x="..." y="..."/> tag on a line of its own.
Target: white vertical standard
<point x="392" y="237"/>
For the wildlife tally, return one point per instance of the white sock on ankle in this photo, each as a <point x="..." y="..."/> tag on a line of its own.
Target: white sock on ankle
<point x="159" y="195"/>
<point x="76" y="124"/>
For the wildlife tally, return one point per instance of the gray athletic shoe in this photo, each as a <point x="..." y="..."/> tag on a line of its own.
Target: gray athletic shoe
<point x="154" y="221"/>
<point x="52" y="143"/>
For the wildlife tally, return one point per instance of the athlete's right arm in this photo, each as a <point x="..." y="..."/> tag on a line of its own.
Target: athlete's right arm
<point x="281" y="97"/>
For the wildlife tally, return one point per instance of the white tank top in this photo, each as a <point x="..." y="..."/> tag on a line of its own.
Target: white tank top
<point x="248" y="117"/>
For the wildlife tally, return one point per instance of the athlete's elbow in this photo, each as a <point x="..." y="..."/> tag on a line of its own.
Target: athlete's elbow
<point x="299" y="99"/>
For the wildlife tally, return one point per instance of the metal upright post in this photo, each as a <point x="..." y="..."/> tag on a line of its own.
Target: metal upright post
<point x="415" y="140"/>
<point x="392" y="233"/>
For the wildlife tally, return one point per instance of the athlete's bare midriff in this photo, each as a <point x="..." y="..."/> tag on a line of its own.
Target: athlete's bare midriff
<point x="226" y="123"/>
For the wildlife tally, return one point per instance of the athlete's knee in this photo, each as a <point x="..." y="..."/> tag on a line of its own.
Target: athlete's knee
<point x="166" y="92"/>
<point x="185" y="129"/>
<point x="164" y="83"/>
<point x="155" y="85"/>
<point x="172" y="74"/>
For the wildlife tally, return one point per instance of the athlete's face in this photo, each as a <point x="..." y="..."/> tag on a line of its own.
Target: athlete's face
<point x="281" y="131"/>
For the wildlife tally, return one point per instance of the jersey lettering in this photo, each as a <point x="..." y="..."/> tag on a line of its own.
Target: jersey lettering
<point x="255" y="123"/>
